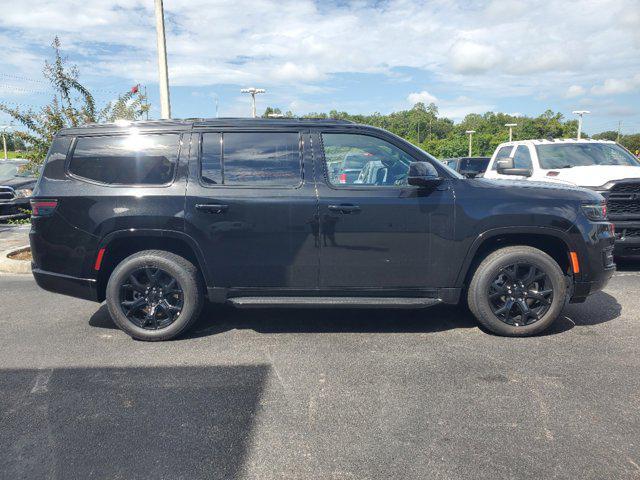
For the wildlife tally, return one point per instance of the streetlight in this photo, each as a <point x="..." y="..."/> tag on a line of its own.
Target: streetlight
<point x="470" y="133"/>
<point x="253" y="91"/>
<point x="4" y="139"/>
<point x="580" y="113"/>
<point x="510" y="125"/>
<point x="163" y="71"/>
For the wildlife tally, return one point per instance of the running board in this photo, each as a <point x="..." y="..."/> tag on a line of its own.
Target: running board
<point x="333" y="302"/>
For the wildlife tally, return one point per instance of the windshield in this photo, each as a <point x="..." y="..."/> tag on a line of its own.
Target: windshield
<point x="566" y="155"/>
<point x="473" y="164"/>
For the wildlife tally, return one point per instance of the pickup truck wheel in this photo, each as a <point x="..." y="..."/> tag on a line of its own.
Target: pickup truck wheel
<point x="154" y="295"/>
<point x="517" y="291"/>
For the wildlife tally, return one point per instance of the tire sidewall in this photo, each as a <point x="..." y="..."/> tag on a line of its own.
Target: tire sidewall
<point x="184" y="277"/>
<point x="488" y="272"/>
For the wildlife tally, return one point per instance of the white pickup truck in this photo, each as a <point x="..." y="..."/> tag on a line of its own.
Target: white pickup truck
<point x="599" y="165"/>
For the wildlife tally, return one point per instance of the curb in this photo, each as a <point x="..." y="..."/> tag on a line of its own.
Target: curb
<point x="7" y="265"/>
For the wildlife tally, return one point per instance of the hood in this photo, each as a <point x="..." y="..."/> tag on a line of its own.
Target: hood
<point x="593" y="175"/>
<point x="499" y="182"/>
<point x="18" y="182"/>
<point x="539" y="190"/>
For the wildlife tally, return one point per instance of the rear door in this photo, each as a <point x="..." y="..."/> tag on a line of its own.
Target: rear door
<point x="382" y="234"/>
<point x="251" y="206"/>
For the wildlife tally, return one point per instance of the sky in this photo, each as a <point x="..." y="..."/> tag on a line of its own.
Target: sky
<point x="512" y="56"/>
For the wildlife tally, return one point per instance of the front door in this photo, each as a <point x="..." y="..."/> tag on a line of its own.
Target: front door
<point x="377" y="232"/>
<point x="251" y="205"/>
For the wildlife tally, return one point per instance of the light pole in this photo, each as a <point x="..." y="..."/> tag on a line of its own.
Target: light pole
<point x="163" y="71"/>
<point x="4" y="139"/>
<point x="253" y="91"/>
<point x="470" y="133"/>
<point x="510" y="125"/>
<point x="580" y="113"/>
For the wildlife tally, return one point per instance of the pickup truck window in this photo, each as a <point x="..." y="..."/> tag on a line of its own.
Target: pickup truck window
<point x="522" y="158"/>
<point x="251" y="159"/>
<point x="503" y="153"/>
<point x="583" y="154"/>
<point x="354" y="159"/>
<point x="135" y="159"/>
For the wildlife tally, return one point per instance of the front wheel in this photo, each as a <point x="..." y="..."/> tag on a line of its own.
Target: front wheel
<point x="517" y="291"/>
<point x="154" y="295"/>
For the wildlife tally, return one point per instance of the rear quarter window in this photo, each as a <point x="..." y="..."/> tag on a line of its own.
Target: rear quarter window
<point x="135" y="159"/>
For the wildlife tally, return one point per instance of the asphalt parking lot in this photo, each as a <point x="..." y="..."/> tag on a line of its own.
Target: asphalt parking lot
<point x="326" y="394"/>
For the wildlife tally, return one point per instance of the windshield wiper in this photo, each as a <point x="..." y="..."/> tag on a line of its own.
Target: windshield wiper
<point x="565" y="166"/>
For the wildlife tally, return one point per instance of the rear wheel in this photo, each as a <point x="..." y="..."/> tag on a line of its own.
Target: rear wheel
<point x="154" y="295"/>
<point x="517" y="291"/>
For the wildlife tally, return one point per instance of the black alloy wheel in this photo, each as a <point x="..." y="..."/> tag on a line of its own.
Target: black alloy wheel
<point x="520" y="294"/>
<point x="151" y="298"/>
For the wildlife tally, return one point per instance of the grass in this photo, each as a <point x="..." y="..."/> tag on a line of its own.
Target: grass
<point x="11" y="154"/>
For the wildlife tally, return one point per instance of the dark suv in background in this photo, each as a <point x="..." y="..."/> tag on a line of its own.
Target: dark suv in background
<point x="16" y="185"/>
<point x="156" y="216"/>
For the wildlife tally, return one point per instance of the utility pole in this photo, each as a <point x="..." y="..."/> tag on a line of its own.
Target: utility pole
<point x="580" y="113"/>
<point x="163" y="71"/>
<point x="470" y="133"/>
<point x="253" y="91"/>
<point x="4" y="139"/>
<point x="510" y="125"/>
<point x="619" y="128"/>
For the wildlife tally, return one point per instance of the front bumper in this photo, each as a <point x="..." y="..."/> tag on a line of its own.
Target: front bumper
<point x="14" y="209"/>
<point x="85" y="288"/>
<point x="627" y="239"/>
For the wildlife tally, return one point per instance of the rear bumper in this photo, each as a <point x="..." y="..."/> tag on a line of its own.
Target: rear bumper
<point x="85" y="288"/>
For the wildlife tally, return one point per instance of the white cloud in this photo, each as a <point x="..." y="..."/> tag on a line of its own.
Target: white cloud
<point x="471" y="57"/>
<point x="421" y="97"/>
<point x="614" y="86"/>
<point x="497" y="49"/>
<point x="575" y="91"/>
<point x="461" y="106"/>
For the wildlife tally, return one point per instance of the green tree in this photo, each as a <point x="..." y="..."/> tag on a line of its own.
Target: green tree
<point x="72" y="105"/>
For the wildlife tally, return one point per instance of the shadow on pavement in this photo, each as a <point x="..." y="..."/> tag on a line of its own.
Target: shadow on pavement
<point x="182" y="422"/>
<point x="599" y="308"/>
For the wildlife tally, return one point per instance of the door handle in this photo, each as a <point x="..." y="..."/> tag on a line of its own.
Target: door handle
<point x="347" y="208"/>
<point x="211" y="208"/>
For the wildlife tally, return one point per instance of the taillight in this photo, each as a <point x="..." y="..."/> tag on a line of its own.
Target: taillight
<point x="343" y="178"/>
<point x="43" y="208"/>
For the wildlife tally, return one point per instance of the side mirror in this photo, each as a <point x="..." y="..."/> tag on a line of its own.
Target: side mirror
<point x="505" y="167"/>
<point x="422" y="174"/>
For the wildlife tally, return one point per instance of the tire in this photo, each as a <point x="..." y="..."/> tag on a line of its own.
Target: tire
<point x="158" y="314"/>
<point x="492" y="290"/>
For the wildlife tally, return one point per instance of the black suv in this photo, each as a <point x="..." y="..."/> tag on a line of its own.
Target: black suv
<point x="156" y="216"/>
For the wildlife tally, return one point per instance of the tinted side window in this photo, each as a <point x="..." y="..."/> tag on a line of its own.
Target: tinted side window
<point x="211" y="158"/>
<point x="136" y="159"/>
<point x="253" y="158"/>
<point x="262" y="158"/>
<point x="522" y="158"/>
<point x="354" y="159"/>
<point x="503" y="153"/>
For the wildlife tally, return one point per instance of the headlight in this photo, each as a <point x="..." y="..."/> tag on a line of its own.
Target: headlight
<point x="23" y="192"/>
<point x="596" y="212"/>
